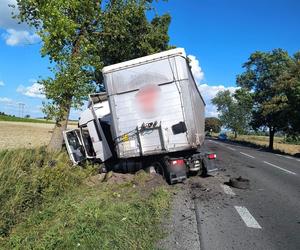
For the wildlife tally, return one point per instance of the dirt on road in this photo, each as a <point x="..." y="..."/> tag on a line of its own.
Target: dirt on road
<point x="25" y="134"/>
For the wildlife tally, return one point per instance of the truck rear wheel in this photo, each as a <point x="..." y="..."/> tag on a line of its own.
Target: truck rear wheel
<point x="203" y="170"/>
<point x="159" y="169"/>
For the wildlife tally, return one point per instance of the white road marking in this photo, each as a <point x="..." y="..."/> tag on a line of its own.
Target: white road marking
<point x="288" y="157"/>
<point x="247" y="217"/>
<point x="247" y="155"/>
<point x="233" y="149"/>
<point x="283" y="169"/>
<point x="227" y="190"/>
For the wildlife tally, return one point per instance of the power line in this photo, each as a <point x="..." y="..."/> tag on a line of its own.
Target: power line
<point x="21" y="109"/>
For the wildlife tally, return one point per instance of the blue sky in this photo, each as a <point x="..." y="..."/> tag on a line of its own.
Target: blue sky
<point x="219" y="34"/>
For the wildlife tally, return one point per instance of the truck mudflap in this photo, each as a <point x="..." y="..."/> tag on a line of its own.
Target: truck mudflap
<point x="202" y="163"/>
<point x="176" y="177"/>
<point x="209" y="162"/>
<point x="176" y="170"/>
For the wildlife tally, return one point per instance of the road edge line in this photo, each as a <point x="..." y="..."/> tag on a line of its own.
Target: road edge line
<point x="283" y="169"/>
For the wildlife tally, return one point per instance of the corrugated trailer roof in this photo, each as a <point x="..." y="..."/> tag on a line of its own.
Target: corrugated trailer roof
<point x="145" y="59"/>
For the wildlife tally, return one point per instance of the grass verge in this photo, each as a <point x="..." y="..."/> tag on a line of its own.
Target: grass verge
<point x="46" y="204"/>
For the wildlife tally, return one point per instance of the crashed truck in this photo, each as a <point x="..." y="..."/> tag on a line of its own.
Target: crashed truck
<point x="151" y="116"/>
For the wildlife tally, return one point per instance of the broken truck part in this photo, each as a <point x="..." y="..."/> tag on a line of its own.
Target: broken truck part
<point x="151" y="115"/>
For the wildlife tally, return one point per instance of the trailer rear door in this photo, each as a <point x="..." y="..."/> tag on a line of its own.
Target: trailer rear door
<point x="74" y="145"/>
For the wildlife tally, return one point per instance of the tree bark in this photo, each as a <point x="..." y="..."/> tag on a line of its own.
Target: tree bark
<point x="61" y="124"/>
<point x="56" y="140"/>
<point x="271" y="138"/>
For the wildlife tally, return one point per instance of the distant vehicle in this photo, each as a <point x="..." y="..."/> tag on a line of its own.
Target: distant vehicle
<point x="222" y="136"/>
<point x="152" y="115"/>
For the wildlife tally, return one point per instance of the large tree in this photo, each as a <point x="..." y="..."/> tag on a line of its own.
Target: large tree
<point x="266" y="76"/>
<point x="212" y="124"/>
<point x="82" y="36"/>
<point x="234" y="109"/>
<point x="289" y="86"/>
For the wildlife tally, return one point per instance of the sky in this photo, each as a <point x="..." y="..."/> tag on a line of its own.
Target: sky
<point x="218" y="36"/>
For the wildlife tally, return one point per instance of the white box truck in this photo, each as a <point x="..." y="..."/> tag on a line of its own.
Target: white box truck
<point x="151" y="115"/>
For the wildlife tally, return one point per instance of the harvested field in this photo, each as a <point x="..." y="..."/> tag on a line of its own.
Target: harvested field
<point x="291" y="149"/>
<point x="25" y="134"/>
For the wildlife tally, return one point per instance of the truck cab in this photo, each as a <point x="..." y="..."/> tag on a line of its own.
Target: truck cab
<point x="89" y="141"/>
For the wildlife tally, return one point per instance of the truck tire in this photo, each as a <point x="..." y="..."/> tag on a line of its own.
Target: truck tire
<point x="239" y="182"/>
<point x="203" y="170"/>
<point x="159" y="169"/>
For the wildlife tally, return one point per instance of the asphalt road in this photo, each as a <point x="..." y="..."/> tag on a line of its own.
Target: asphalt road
<point x="266" y="216"/>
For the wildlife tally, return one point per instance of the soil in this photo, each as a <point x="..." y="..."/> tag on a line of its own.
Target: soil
<point x="118" y="178"/>
<point x="95" y="179"/>
<point x="145" y="183"/>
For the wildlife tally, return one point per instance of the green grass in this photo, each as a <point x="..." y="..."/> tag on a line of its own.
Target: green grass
<point x="19" y="119"/>
<point x="45" y="204"/>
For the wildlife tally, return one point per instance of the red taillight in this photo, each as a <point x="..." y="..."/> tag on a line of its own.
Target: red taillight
<point x="177" y="162"/>
<point x="211" y="156"/>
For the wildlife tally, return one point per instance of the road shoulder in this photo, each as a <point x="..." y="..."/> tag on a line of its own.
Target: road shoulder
<point x="181" y="226"/>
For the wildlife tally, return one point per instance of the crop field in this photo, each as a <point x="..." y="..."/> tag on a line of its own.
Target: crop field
<point x="264" y="141"/>
<point x="19" y="119"/>
<point x="25" y="134"/>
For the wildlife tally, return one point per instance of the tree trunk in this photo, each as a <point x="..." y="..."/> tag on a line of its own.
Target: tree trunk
<point x="271" y="138"/>
<point x="235" y="134"/>
<point x="56" y="140"/>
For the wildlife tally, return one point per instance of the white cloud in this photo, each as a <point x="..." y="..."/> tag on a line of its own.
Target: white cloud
<point x="196" y="69"/>
<point x="36" y="90"/>
<point x="1" y="83"/>
<point x="6" y="20"/>
<point x="5" y="100"/>
<point x="18" y="37"/>
<point x="208" y="92"/>
<point x="16" y="34"/>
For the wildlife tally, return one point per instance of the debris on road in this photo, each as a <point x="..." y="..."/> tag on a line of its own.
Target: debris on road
<point x="239" y="182"/>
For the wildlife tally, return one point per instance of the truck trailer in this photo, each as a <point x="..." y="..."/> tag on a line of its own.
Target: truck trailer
<point x="151" y="116"/>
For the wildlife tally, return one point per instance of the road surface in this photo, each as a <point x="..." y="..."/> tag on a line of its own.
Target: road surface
<point x="267" y="216"/>
<point x="208" y="214"/>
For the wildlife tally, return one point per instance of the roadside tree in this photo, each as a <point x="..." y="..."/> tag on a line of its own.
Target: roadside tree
<point x="82" y="36"/>
<point x="290" y="86"/>
<point x="266" y="75"/>
<point x="212" y="124"/>
<point x="234" y="109"/>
